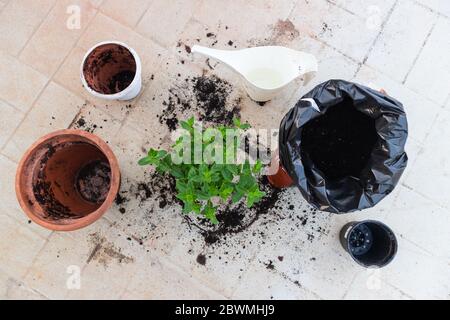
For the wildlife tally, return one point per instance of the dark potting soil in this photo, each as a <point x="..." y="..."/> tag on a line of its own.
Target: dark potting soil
<point x="208" y="98"/>
<point x="201" y="259"/>
<point x="340" y="142"/>
<point x="44" y="194"/>
<point x="235" y="219"/>
<point x="93" y="181"/>
<point x="121" y="81"/>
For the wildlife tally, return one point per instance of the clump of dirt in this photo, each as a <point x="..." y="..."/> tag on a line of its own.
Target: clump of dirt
<point x="340" y="142"/>
<point x="94" y="180"/>
<point x="83" y="124"/>
<point x="201" y="259"/>
<point x="238" y="218"/>
<point x="269" y="265"/>
<point x="207" y="97"/>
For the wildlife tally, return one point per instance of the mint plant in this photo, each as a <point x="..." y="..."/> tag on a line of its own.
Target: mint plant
<point x="218" y="177"/>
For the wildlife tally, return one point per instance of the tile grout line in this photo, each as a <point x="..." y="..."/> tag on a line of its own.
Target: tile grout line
<point x="142" y="16"/>
<point x="431" y="9"/>
<point x="420" y="50"/>
<point x="383" y="25"/>
<point x="26" y="115"/>
<point x="16" y="109"/>
<point x="75" y="44"/>
<point x="343" y="8"/>
<point x="36" y="30"/>
<point x="399" y="83"/>
<point x="49" y="79"/>
<point x="23" y="283"/>
<point x="437" y="203"/>
<point x="293" y="9"/>
<point x="3" y="8"/>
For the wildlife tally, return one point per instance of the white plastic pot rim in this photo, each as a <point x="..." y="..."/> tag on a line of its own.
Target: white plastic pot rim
<point x="128" y="93"/>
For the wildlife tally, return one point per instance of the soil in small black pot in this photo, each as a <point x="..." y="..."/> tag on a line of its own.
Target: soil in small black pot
<point x="93" y="181"/>
<point x="340" y="142"/>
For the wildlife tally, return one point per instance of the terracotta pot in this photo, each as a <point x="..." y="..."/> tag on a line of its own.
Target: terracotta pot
<point x="67" y="180"/>
<point x="278" y="176"/>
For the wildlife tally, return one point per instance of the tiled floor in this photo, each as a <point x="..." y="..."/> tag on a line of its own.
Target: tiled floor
<point x="400" y="45"/>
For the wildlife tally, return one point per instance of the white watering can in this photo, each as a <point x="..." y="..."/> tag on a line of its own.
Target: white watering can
<point x="265" y="71"/>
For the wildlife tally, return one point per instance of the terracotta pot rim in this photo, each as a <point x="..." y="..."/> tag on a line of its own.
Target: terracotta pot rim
<point x="82" y="222"/>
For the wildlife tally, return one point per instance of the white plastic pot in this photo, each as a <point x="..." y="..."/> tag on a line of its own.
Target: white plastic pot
<point x="130" y="92"/>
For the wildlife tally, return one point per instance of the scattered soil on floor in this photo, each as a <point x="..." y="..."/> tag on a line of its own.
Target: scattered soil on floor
<point x="340" y="142"/>
<point x="284" y="31"/>
<point x="206" y="97"/>
<point x="83" y="124"/>
<point x="94" y="180"/>
<point x="105" y="252"/>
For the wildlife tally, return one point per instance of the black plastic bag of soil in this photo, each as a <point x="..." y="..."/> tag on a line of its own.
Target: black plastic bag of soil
<point x="343" y="145"/>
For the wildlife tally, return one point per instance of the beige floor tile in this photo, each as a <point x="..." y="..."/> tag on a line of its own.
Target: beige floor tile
<point x="369" y="285"/>
<point x="400" y="41"/>
<point x="430" y="75"/>
<point x="22" y="85"/>
<point x="57" y="35"/>
<point x="63" y="256"/>
<point x="129" y="146"/>
<point x="110" y="268"/>
<point x="442" y="7"/>
<point x="96" y="120"/>
<point x="274" y="286"/>
<point x="374" y="11"/>
<point x="227" y="22"/>
<point x="126" y="12"/>
<point x="19" y="20"/>
<point x="431" y="222"/>
<point x="3" y="3"/>
<point x="164" y="21"/>
<point x="9" y="120"/>
<point x="11" y="289"/>
<point x="432" y="169"/>
<point x="9" y="204"/>
<point x="55" y="110"/>
<point x="329" y="23"/>
<point x="162" y="280"/>
<point x="18" y="246"/>
<point x="418" y="273"/>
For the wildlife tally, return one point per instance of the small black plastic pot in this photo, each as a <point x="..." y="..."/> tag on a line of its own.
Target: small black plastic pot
<point x="370" y="243"/>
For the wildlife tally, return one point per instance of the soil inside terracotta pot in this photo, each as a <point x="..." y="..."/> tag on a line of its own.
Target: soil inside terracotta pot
<point x="71" y="181"/>
<point x="109" y="69"/>
<point x="94" y="180"/>
<point x="340" y="142"/>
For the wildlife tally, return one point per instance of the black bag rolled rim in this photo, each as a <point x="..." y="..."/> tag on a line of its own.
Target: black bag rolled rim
<point x="384" y="167"/>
